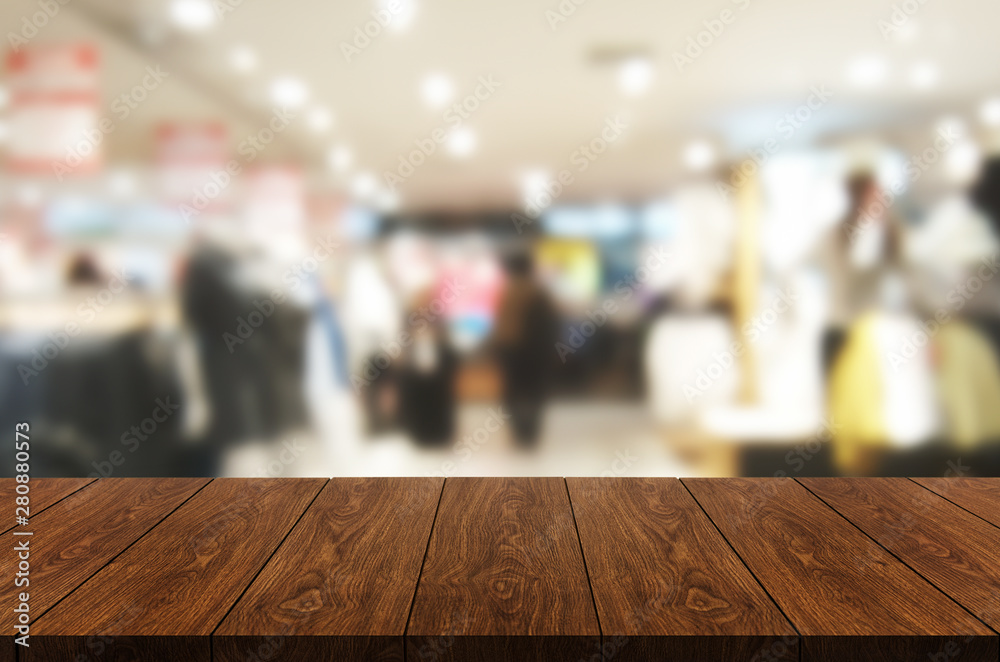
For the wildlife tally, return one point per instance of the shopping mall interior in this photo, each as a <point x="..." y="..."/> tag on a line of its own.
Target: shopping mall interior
<point x="568" y="237"/>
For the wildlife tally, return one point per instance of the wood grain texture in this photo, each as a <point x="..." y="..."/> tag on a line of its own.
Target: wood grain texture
<point x="341" y="585"/>
<point x="162" y="598"/>
<point x="666" y="583"/>
<point x="980" y="496"/>
<point x="503" y="578"/>
<point x="44" y="493"/>
<point x="848" y="597"/>
<point x="64" y="552"/>
<point x="954" y="550"/>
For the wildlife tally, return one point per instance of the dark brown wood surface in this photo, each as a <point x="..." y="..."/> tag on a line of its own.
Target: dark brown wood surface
<point x="341" y="585"/>
<point x="43" y="493"/>
<point x="504" y="578"/>
<point x="64" y="554"/>
<point x="511" y="569"/>
<point x="848" y="597"/>
<point x="953" y="549"/>
<point x="980" y="496"/>
<point x="162" y="598"/>
<point x="666" y="583"/>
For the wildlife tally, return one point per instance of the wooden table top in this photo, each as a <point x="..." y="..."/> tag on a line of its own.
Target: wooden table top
<point x="485" y="569"/>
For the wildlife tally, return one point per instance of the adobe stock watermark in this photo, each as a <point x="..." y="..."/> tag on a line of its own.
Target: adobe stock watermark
<point x="135" y="436"/>
<point x="123" y="105"/>
<point x="909" y="345"/>
<point x="914" y="169"/>
<point x="291" y="450"/>
<point x="436" y="648"/>
<point x="35" y="23"/>
<point x="292" y="279"/>
<point x="418" y="320"/>
<point x="562" y="12"/>
<point x="86" y="312"/>
<point x="428" y="145"/>
<point x="249" y="149"/>
<point x="901" y="14"/>
<point x="364" y="35"/>
<point x="785" y="128"/>
<point x="224" y="7"/>
<point x="471" y="442"/>
<point x="598" y="316"/>
<point x="952" y="649"/>
<point x="751" y="332"/>
<point x="636" y="619"/>
<point x="701" y="41"/>
<point x="579" y="161"/>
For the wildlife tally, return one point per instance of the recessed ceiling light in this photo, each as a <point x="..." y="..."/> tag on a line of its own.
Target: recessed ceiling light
<point x="290" y="92"/>
<point x="340" y="158"/>
<point x="868" y="71"/>
<point x="437" y="90"/>
<point x="320" y="120"/>
<point x="923" y="75"/>
<point x="193" y="15"/>
<point x="461" y="142"/>
<point x="401" y="12"/>
<point x="989" y="112"/>
<point x="243" y="59"/>
<point x="699" y="155"/>
<point x="635" y="76"/>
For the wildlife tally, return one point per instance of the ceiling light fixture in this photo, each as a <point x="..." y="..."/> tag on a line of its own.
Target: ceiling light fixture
<point x="437" y="90"/>
<point x="868" y="71"/>
<point x="635" y="76"/>
<point x="192" y="15"/>
<point x="462" y="142"/>
<point x="290" y="92"/>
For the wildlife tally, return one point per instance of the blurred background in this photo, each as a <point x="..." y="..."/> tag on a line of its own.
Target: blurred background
<point x="432" y="237"/>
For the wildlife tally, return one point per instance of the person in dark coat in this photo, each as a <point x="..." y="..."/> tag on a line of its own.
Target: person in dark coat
<point x="524" y="338"/>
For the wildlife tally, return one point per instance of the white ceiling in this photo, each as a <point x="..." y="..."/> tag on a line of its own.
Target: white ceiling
<point x="553" y="95"/>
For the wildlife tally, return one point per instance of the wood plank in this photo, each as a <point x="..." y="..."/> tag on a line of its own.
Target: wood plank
<point x="980" y="496"/>
<point x="666" y="583"/>
<point x="848" y="597"/>
<point x="954" y="550"/>
<point x="162" y="598"/>
<point x="504" y="578"/>
<point x="63" y="554"/>
<point x="340" y="587"/>
<point x="43" y="493"/>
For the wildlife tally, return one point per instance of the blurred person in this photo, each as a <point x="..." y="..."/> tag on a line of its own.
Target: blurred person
<point x="372" y="312"/>
<point x="858" y="256"/>
<point x="210" y="304"/>
<point x="327" y="386"/>
<point x="524" y="339"/>
<point x="878" y="405"/>
<point x="986" y="192"/>
<point x="83" y="271"/>
<point x="426" y="381"/>
<point x="984" y="308"/>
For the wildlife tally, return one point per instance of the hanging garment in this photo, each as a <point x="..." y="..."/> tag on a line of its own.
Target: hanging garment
<point x="969" y="385"/>
<point x="881" y="393"/>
